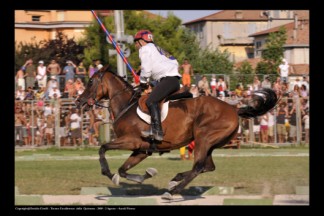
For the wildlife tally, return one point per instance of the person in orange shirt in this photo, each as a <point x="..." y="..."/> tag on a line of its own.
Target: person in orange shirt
<point x="187" y="72"/>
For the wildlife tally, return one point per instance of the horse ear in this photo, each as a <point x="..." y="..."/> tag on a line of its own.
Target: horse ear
<point x="105" y="68"/>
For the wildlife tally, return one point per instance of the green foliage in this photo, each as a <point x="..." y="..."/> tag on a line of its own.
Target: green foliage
<point x="245" y="75"/>
<point x="273" y="53"/>
<point x="61" y="49"/>
<point x="168" y="34"/>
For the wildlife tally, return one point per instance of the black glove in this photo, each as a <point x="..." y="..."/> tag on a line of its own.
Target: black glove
<point x="144" y="86"/>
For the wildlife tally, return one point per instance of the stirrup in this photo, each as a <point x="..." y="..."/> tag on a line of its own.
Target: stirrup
<point x="147" y="133"/>
<point x="158" y="136"/>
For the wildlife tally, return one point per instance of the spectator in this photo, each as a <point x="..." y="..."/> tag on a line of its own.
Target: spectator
<point x="270" y="126"/>
<point x="303" y="91"/>
<point x="75" y="120"/>
<point x="20" y="79"/>
<point x="30" y="74"/>
<point x="49" y="130"/>
<point x="20" y="120"/>
<point x="41" y="74"/>
<point x="29" y="94"/>
<point x="194" y="91"/>
<point x="69" y="71"/>
<point x="54" y="91"/>
<point x="281" y="115"/>
<point x="20" y="94"/>
<point x="81" y="72"/>
<point x="266" y="82"/>
<point x="69" y="90"/>
<point x="63" y="127"/>
<point x="306" y="126"/>
<point x="221" y="87"/>
<point x="78" y="86"/>
<point x="239" y="90"/>
<point x="52" y="82"/>
<point x="283" y="71"/>
<point x="53" y="68"/>
<point x="306" y="83"/>
<point x="213" y="86"/>
<point x="98" y="64"/>
<point x="92" y="68"/>
<point x="293" y="123"/>
<point x="40" y="93"/>
<point x="277" y="86"/>
<point x="256" y="84"/>
<point x="187" y="71"/>
<point x="203" y="86"/>
<point x="264" y="128"/>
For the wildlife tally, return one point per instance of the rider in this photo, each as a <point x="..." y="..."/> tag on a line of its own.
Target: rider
<point x="162" y="67"/>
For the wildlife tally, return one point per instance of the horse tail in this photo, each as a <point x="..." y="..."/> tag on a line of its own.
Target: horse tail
<point x="262" y="101"/>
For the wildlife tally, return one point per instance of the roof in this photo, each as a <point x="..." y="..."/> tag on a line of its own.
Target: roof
<point x="253" y="62"/>
<point x="294" y="69"/>
<point x="147" y="14"/>
<point x="299" y="69"/>
<point x="302" y="32"/>
<point x="228" y="15"/>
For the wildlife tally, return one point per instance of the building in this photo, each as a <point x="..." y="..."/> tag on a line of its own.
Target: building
<point x="231" y="30"/>
<point x="36" y="25"/>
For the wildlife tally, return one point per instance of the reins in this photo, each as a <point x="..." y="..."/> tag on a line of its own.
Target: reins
<point x="125" y="109"/>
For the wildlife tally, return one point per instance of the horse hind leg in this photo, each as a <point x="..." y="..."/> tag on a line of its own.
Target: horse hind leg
<point x="133" y="160"/>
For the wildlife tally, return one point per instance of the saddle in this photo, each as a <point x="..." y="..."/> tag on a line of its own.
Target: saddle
<point x="180" y="94"/>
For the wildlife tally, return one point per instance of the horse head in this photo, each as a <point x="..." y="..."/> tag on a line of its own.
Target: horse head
<point x="105" y="84"/>
<point x="96" y="90"/>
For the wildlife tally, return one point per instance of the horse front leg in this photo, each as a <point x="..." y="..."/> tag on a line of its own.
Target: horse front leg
<point x="125" y="143"/>
<point x="105" y="167"/>
<point x="134" y="159"/>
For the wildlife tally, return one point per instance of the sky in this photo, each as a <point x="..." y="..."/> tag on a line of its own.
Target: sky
<point x="185" y="15"/>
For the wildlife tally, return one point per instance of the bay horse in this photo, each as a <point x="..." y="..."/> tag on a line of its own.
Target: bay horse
<point x="210" y="122"/>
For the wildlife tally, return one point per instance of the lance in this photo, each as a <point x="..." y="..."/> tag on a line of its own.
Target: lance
<point x="116" y="46"/>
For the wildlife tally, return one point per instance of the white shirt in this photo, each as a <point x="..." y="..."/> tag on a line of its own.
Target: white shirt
<point x="41" y="70"/>
<point x="156" y="64"/>
<point x="284" y="69"/>
<point x="75" y="124"/>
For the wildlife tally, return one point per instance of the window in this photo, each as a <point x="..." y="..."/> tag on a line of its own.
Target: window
<point x="276" y="14"/>
<point x="250" y="55"/>
<point x="258" y="44"/>
<point x="60" y="16"/>
<point x="227" y="31"/>
<point x="251" y="28"/>
<point x="35" y="18"/>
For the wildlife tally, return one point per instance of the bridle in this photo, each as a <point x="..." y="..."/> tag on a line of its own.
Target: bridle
<point x="94" y="101"/>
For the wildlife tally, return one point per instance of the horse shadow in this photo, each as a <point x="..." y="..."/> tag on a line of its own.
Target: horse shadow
<point x="129" y="189"/>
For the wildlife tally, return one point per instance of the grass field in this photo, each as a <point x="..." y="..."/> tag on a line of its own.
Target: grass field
<point x="255" y="174"/>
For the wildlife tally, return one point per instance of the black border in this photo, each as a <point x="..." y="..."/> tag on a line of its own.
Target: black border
<point x="7" y="42"/>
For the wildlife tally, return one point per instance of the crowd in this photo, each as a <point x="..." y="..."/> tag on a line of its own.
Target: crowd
<point x="39" y="96"/>
<point x="44" y="87"/>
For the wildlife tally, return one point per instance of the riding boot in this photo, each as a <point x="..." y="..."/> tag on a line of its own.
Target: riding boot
<point x="156" y="128"/>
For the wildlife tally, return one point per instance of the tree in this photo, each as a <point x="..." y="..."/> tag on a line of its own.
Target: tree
<point x="274" y="51"/>
<point x="61" y="49"/>
<point x="245" y="75"/>
<point x="168" y="33"/>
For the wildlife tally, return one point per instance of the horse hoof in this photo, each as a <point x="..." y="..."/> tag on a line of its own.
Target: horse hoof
<point x="172" y="185"/>
<point x="151" y="171"/>
<point x="167" y="196"/>
<point x="115" y="179"/>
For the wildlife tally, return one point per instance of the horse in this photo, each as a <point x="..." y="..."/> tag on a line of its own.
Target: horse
<point x="210" y="122"/>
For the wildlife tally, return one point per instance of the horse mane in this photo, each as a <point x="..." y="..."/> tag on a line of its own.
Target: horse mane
<point x="107" y="69"/>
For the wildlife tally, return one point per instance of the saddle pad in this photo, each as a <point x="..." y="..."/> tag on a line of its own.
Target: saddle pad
<point x="147" y="118"/>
